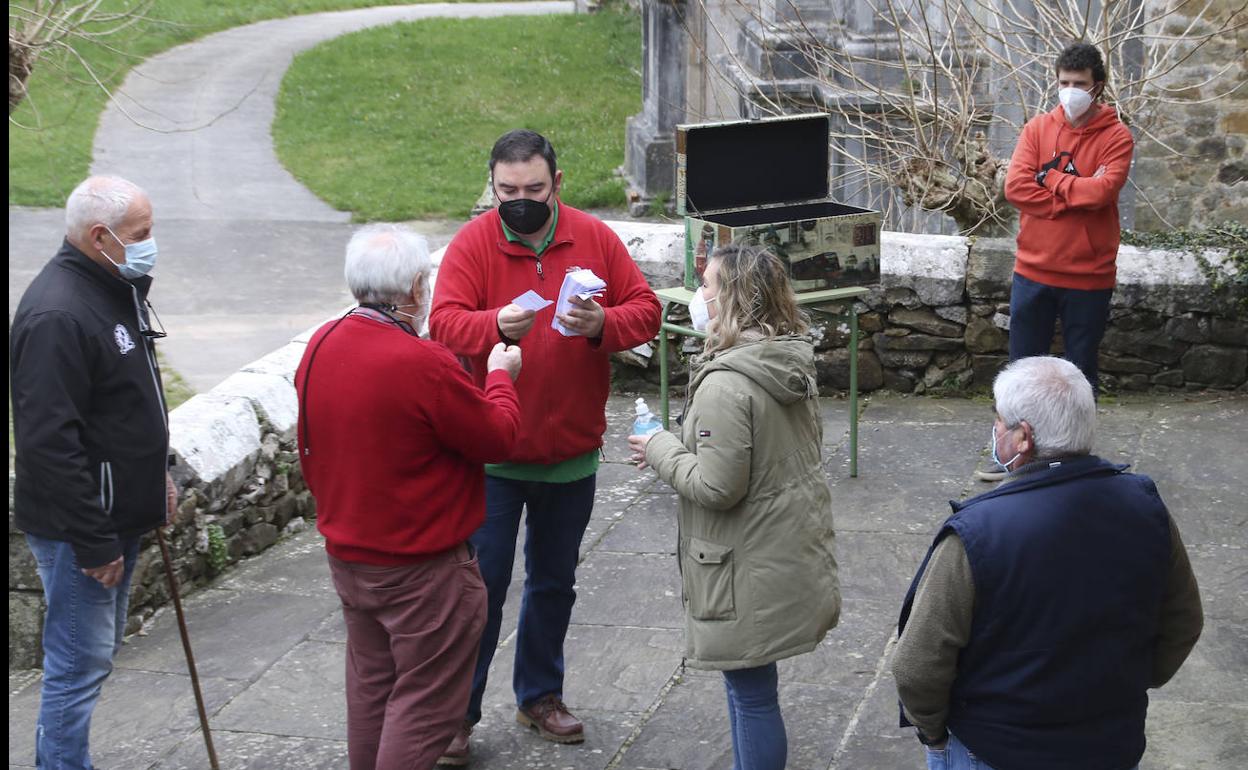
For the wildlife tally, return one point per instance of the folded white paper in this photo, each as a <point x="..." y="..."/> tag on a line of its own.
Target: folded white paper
<point x="531" y="300"/>
<point x="582" y="283"/>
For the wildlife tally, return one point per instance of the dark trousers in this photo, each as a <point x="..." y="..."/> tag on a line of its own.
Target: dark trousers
<point x="412" y="634"/>
<point x="1034" y="310"/>
<point x="555" y="522"/>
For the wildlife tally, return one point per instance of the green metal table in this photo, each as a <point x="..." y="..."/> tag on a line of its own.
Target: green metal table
<point x="814" y="300"/>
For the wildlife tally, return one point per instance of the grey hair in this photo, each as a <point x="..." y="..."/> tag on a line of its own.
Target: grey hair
<point x="1054" y="397"/>
<point x="383" y="261"/>
<point x="99" y="200"/>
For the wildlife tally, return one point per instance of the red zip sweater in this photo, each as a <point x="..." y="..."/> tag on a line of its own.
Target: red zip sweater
<point x="392" y="440"/>
<point x="564" y="383"/>
<point x="1068" y="232"/>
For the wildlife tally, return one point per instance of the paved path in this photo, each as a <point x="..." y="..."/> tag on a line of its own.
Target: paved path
<point x="249" y="257"/>
<point x="270" y="642"/>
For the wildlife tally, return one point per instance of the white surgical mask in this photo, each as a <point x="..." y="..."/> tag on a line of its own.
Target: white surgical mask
<point x="699" y="313"/>
<point x="1075" y="101"/>
<point x="1005" y="466"/>
<point x="140" y="257"/>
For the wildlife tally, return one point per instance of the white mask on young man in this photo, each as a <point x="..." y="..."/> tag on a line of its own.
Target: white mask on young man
<point x="1075" y="101"/>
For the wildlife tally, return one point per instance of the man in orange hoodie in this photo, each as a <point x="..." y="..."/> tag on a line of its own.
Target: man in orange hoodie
<point x="1064" y="179"/>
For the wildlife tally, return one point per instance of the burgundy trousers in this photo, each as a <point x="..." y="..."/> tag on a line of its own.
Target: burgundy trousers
<point x="412" y="638"/>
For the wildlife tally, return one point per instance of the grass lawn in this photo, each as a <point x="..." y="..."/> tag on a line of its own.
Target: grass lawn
<point x="397" y="122"/>
<point x="63" y="106"/>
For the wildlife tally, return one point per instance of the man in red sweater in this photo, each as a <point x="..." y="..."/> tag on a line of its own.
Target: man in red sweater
<point x="526" y="244"/>
<point x="1064" y="179"/>
<point x="392" y="439"/>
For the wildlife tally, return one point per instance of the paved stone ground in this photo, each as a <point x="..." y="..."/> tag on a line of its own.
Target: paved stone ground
<point x="270" y="642"/>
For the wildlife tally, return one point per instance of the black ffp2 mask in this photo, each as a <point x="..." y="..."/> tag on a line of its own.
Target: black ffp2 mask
<point x="524" y="216"/>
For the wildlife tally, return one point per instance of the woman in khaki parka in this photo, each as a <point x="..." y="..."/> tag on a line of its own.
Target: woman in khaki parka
<point x="758" y="574"/>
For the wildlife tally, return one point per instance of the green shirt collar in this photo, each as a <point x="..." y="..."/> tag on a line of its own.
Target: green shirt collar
<point x="550" y="236"/>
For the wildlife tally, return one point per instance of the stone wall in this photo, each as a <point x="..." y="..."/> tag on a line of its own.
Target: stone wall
<point x="1193" y="169"/>
<point x="938" y="321"/>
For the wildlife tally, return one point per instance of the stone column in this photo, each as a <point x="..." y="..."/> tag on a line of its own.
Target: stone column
<point x="650" y="148"/>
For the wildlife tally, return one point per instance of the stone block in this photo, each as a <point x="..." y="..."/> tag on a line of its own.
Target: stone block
<point x="903" y="296"/>
<point x="990" y="268"/>
<point x="983" y="336"/>
<point x="258" y="537"/>
<point x="833" y="370"/>
<point x="217" y="440"/>
<point x="869" y="323"/>
<point x="658" y="250"/>
<point x="1169" y="282"/>
<point x="272" y="395"/>
<point x="934" y="266"/>
<point x="26" y="610"/>
<point x="1188" y="328"/>
<point x="1215" y="365"/>
<point x="1109" y="362"/>
<point x="906" y="359"/>
<point x="1233" y="172"/>
<point x="1144" y="344"/>
<point x="955" y="313"/>
<point x="281" y="362"/>
<point x="1224" y="331"/>
<point x="926" y="321"/>
<point x="985" y="368"/>
<point x="1132" y="319"/>
<point x="1171" y="378"/>
<point x="915" y="342"/>
<point x="1126" y="382"/>
<point x="955" y="375"/>
<point x="898" y="381"/>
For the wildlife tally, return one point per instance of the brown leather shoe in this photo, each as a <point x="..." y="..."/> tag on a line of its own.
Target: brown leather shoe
<point x="456" y="755"/>
<point x="552" y="720"/>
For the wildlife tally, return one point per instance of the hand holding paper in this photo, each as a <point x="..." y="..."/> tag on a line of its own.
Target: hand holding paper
<point x="576" y="313"/>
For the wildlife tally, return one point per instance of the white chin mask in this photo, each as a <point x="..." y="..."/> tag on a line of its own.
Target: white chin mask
<point x="1075" y="101"/>
<point x="699" y="313"/>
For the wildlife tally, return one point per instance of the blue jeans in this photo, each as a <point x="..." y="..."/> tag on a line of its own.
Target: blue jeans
<point x="1034" y="310"/>
<point x="82" y="631"/>
<point x="758" y="738"/>
<point x="956" y="756"/>
<point x="557" y="515"/>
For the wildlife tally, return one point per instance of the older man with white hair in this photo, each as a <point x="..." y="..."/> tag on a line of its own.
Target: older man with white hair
<point x="393" y="437"/>
<point x="92" y="440"/>
<point x="1046" y="608"/>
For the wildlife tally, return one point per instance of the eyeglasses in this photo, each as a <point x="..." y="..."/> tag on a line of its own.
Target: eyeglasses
<point x="145" y="328"/>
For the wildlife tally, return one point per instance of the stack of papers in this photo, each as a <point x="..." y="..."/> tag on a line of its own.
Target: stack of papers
<point x="581" y="283"/>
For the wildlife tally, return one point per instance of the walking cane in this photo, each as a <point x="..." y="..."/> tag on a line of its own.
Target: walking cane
<point x="186" y="646"/>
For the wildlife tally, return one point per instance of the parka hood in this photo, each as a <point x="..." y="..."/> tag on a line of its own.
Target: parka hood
<point x="783" y="366"/>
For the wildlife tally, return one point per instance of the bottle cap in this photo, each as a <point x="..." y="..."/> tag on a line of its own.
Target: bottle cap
<point x="641" y="407"/>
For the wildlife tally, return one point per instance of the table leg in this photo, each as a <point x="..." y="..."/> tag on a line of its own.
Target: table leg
<point x="853" y="391"/>
<point x="663" y="366"/>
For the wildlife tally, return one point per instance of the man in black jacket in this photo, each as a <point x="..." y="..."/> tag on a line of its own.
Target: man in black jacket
<point x="92" y="441"/>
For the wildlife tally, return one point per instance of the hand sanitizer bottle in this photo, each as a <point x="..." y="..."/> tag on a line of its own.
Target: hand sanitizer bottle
<point x="646" y="423"/>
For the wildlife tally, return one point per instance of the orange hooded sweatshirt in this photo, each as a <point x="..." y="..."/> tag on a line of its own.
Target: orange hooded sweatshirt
<point x="1068" y="231"/>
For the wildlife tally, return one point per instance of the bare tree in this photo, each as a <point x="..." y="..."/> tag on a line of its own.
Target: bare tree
<point x="41" y="29"/>
<point x="928" y="96"/>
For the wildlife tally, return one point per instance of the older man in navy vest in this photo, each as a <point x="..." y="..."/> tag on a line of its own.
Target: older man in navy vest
<point x="1046" y="608"/>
